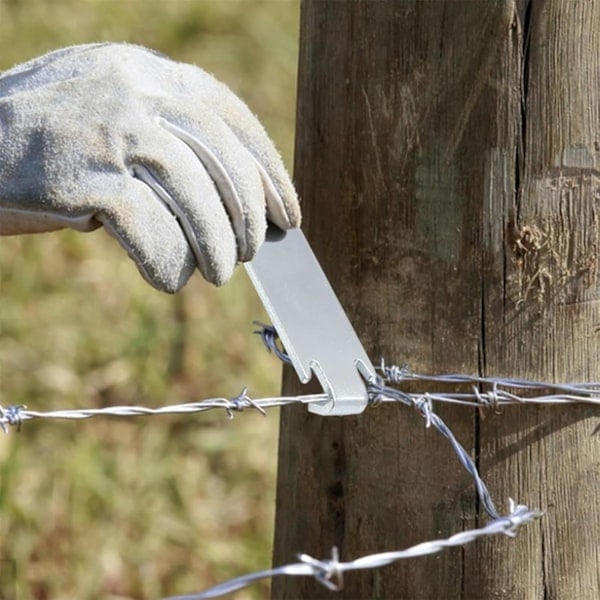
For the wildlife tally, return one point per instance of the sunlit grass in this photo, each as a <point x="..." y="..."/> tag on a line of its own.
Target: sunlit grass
<point x="138" y="508"/>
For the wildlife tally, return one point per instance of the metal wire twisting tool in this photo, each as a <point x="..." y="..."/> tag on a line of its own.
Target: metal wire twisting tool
<point x="311" y="322"/>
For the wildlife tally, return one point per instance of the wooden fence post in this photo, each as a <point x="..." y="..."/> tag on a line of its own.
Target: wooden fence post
<point x="447" y="157"/>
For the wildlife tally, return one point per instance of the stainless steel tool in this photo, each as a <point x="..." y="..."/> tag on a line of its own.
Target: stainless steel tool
<point x="311" y="322"/>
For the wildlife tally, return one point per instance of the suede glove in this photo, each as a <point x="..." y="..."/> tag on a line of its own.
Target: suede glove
<point x="160" y="153"/>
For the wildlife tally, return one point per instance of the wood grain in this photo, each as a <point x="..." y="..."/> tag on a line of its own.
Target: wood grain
<point x="447" y="157"/>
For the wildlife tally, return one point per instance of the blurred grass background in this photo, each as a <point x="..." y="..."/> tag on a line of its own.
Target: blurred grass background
<point x="138" y="508"/>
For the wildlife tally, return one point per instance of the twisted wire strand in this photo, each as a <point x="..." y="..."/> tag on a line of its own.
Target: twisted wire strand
<point x="577" y="391"/>
<point x="329" y="572"/>
<point x="380" y="392"/>
<point x="16" y="415"/>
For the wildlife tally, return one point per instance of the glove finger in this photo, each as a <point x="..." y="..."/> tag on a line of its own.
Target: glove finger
<point x="283" y="207"/>
<point x="233" y="172"/>
<point x="174" y="173"/>
<point x="147" y="230"/>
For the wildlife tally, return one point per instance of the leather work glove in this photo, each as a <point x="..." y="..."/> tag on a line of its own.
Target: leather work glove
<point x="168" y="159"/>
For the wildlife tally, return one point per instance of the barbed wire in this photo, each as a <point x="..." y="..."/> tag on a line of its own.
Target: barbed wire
<point x="330" y="572"/>
<point x="503" y="393"/>
<point x="563" y="393"/>
<point x="16" y="415"/>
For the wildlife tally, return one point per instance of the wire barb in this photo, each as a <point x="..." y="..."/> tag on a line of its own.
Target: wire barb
<point x="11" y="415"/>
<point x="326" y="572"/>
<point x="241" y="402"/>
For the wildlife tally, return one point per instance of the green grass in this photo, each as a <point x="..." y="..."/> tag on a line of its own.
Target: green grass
<point x="138" y="508"/>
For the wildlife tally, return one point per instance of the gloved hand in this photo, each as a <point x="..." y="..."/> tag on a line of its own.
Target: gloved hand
<point x="168" y="159"/>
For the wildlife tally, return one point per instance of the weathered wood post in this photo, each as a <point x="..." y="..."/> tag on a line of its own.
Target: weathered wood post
<point x="447" y="158"/>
